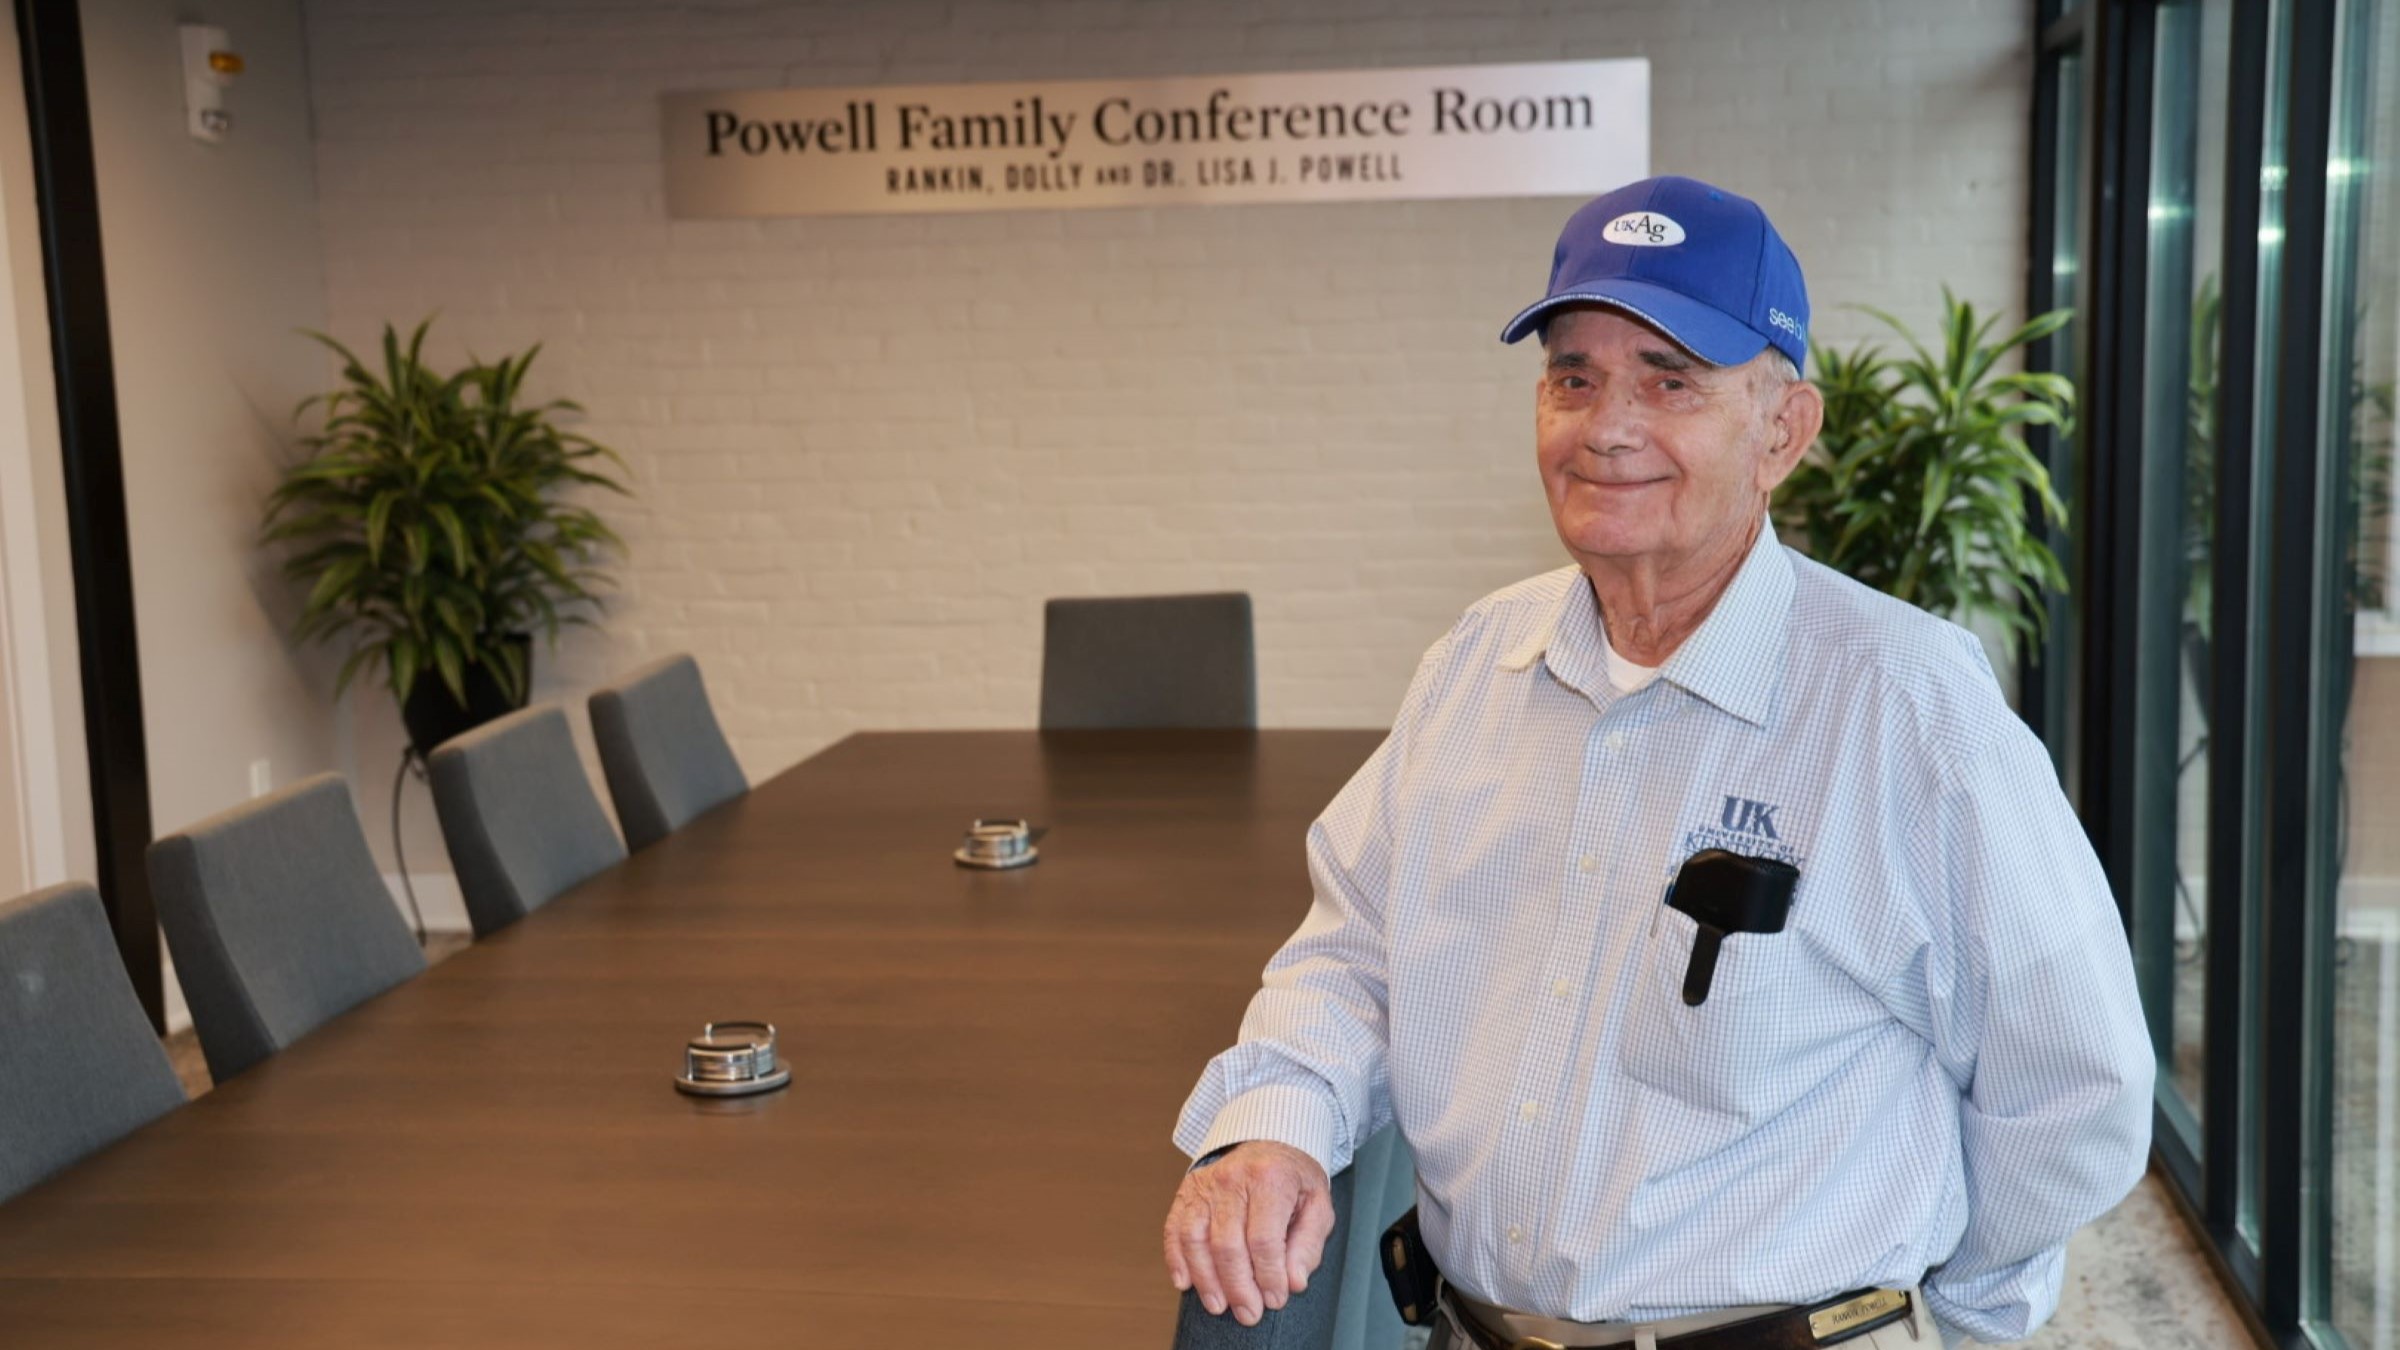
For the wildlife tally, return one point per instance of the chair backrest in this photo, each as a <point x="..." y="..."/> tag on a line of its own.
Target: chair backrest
<point x="1305" y="1321"/>
<point x="519" y="815"/>
<point x="79" y="1065"/>
<point x="662" y="751"/>
<point x="278" y="920"/>
<point x="1149" y="661"/>
<point x="1347" y="1305"/>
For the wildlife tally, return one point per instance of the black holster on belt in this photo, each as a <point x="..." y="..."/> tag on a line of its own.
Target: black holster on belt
<point x="1408" y="1268"/>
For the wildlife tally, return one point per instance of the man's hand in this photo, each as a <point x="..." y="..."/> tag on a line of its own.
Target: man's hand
<point x="1248" y="1229"/>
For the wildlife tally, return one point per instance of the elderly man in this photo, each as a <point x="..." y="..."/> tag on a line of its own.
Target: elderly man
<point x="1887" y="1110"/>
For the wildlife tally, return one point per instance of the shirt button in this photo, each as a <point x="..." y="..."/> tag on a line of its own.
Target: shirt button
<point x="1515" y="1234"/>
<point x="1528" y="1111"/>
<point x="1589" y="862"/>
<point x="1559" y="987"/>
<point x="1616" y="740"/>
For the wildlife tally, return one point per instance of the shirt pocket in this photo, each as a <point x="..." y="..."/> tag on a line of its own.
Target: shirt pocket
<point x="1722" y="1055"/>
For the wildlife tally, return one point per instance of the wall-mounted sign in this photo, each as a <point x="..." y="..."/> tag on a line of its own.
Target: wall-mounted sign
<point x="1558" y="128"/>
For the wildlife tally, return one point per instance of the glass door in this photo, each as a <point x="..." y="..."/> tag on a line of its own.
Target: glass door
<point x="2357" y="769"/>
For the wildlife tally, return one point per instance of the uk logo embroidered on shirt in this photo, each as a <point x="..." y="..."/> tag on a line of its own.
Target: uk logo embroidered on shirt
<point x="1744" y="816"/>
<point x="1743" y="825"/>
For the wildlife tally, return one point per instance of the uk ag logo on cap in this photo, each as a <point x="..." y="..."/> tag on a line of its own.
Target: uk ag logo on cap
<point x="1644" y="229"/>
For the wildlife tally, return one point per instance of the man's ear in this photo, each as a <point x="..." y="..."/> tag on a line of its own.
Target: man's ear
<point x="1798" y="415"/>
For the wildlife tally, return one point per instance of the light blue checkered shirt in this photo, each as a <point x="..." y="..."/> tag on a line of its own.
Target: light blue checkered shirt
<point x="1940" y="1063"/>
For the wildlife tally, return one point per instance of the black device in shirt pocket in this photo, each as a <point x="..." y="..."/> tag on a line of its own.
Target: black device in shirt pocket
<point x="1723" y="893"/>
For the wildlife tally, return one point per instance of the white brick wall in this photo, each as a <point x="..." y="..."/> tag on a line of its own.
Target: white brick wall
<point x="866" y="449"/>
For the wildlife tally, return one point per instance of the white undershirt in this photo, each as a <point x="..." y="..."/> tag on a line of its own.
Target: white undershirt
<point x="1622" y="673"/>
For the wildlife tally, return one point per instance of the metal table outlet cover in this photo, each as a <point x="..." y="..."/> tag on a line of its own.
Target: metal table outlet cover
<point x="997" y="844"/>
<point x="732" y="1059"/>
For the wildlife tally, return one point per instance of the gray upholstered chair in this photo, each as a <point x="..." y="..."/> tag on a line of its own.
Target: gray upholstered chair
<point x="278" y="921"/>
<point x="519" y="815"/>
<point x="1346" y="1305"/>
<point x="1149" y="661"/>
<point x="661" y="750"/>
<point x="79" y="1066"/>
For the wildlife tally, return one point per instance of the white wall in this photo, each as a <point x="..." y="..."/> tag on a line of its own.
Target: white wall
<point x="866" y="449"/>
<point x="213" y="261"/>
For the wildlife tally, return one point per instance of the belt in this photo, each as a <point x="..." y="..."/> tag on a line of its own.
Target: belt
<point x="1831" y="1322"/>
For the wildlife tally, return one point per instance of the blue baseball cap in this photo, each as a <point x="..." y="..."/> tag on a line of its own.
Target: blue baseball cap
<point x="1697" y="263"/>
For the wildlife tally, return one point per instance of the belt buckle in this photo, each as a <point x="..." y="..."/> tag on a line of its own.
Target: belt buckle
<point x="1856" y="1315"/>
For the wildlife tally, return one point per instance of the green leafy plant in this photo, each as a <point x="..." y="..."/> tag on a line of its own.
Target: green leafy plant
<point x="1922" y="484"/>
<point x="429" y="523"/>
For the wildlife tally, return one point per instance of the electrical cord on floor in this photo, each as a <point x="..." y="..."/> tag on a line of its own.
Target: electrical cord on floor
<point x="408" y="760"/>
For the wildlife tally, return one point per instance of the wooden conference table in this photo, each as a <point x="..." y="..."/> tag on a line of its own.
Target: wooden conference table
<point x="973" y="1151"/>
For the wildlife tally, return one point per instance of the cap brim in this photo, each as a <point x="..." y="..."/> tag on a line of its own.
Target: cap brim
<point x="1706" y="332"/>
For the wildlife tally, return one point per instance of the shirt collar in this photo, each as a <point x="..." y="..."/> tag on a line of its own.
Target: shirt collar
<point x="1734" y="660"/>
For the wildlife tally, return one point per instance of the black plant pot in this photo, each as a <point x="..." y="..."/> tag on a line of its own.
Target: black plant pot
<point x="433" y="716"/>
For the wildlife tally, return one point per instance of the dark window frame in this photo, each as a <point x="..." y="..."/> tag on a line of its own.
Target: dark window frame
<point x="2269" y="885"/>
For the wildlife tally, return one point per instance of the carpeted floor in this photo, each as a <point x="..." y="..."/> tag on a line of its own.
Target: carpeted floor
<point x="2136" y="1280"/>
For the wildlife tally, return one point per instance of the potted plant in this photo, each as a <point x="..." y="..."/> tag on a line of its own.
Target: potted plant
<point x="1922" y="484"/>
<point x="433" y="534"/>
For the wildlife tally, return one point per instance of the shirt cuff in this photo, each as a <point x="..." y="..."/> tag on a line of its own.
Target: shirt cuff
<point x="1283" y="1112"/>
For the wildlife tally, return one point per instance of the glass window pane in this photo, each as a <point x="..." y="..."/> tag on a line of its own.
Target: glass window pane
<point x="2359" y="684"/>
<point x="2263" y="385"/>
<point x="2181" y="345"/>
